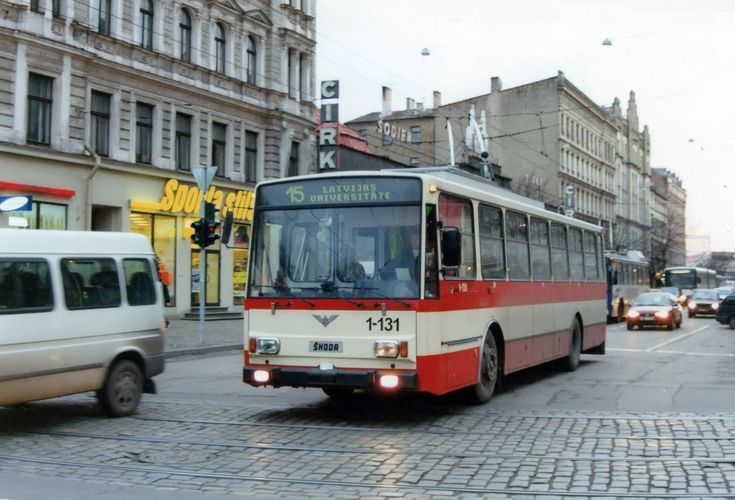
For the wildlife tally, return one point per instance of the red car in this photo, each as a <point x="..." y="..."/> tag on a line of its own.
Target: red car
<point x="655" y="309"/>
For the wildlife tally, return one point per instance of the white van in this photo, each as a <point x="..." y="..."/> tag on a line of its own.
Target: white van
<point x="79" y="311"/>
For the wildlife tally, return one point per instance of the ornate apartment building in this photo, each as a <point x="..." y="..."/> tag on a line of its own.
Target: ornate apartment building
<point x="106" y="105"/>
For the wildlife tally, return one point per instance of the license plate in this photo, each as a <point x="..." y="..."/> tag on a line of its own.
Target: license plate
<point x="647" y="316"/>
<point x="322" y="346"/>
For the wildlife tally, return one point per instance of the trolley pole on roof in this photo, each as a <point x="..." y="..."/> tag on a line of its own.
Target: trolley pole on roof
<point x="203" y="176"/>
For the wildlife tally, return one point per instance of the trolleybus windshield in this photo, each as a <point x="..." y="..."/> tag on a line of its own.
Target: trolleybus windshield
<point x="347" y="237"/>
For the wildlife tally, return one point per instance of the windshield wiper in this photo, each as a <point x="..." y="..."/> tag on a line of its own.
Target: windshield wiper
<point x="403" y="303"/>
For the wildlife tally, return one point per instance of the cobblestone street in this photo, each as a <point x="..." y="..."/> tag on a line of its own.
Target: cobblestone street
<point x="364" y="447"/>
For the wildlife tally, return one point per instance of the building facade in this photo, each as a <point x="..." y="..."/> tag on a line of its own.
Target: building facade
<point x="673" y="250"/>
<point x="106" y="106"/>
<point x="632" y="228"/>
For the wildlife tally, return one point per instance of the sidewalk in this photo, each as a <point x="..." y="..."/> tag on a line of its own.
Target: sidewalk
<point x="182" y="337"/>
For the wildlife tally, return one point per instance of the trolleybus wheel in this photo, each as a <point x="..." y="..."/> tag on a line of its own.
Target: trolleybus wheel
<point x="337" y="392"/>
<point x="120" y="395"/>
<point x="571" y="362"/>
<point x="483" y="390"/>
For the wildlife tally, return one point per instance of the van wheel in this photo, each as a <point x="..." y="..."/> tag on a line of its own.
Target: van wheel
<point x="571" y="362"/>
<point x="337" y="392"/>
<point x="120" y="395"/>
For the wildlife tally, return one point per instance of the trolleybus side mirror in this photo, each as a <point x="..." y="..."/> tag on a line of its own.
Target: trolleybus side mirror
<point x="451" y="244"/>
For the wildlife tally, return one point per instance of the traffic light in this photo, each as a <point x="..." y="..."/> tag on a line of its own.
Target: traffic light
<point x="211" y="232"/>
<point x="197" y="236"/>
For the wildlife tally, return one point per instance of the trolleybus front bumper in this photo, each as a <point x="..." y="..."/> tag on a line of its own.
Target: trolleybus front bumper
<point x="316" y="377"/>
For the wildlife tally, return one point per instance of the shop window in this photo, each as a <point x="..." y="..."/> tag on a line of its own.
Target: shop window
<point x="240" y="243"/>
<point x="41" y="216"/>
<point x="160" y="230"/>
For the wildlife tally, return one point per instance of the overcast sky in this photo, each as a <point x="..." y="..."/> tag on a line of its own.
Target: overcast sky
<point x="677" y="55"/>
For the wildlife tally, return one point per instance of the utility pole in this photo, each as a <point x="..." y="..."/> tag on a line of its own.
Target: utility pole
<point x="203" y="177"/>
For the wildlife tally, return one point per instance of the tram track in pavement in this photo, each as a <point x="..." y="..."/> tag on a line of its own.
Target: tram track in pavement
<point x="358" y="485"/>
<point x="402" y="445"/>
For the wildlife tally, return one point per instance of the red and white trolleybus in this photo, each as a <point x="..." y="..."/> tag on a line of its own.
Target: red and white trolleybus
<point x="427" y="280"/>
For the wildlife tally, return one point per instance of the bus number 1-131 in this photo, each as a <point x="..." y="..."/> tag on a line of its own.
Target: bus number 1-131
<point x="383" y="324"/>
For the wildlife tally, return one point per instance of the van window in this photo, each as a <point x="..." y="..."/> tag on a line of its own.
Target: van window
<point x="90" y="283"/>
<point x="25" y="286"/>
<point x="139" y="282"/>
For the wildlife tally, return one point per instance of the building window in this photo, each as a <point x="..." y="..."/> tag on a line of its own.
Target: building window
<point x="290" y="74"/>
<point x="146" y="24"/>
<point x="183" y="141"/>
<point x="219" y="45"/>
<point x="219" y="146"/>
<point x="41" y="216"/>
<point x="293" y="159"/>
<point x="387" y="140"/>
<point x="100" y="123"/>
<point x="143" y="132"/>
<point x="36" y="6"/>
<point x="363" y="132"/>
<point x="251" y="61"/>
<point x="39" y="109"/>
<point x="103" y="17"/>
<point x="251" y="156"/>
<point x="56" y="8"/>
<point x="416" y="135"/>
<point x="415" y="161"/>
<point x="185" y="35"/>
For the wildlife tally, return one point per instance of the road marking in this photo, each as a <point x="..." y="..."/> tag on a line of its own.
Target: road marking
<point x="653" y="348"/>
<point x="681" y="353"/>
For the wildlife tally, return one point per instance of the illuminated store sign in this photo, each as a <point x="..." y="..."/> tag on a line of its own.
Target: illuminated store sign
<point x="180" y="198"/>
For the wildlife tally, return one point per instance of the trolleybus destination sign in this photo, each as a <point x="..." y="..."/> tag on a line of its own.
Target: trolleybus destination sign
<point x="343" y="191"/>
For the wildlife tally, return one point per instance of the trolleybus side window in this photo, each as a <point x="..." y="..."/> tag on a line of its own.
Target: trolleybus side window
<point x="25" y="286"/>
<point x="559" y="254"/>
<point x="591" y="260"/>
<point x="540" y="264"/>
<point x="492" y="254"/>
<point x="457" y="213"/>
<point x="576" y="259"/>
<point x="516" y="227"/>
<point x="431" y="274"/>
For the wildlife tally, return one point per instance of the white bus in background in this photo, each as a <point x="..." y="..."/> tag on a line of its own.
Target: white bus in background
<point x="627" y="276"/>
<point x="80" y="311"/>
<point x="428" y="280"/>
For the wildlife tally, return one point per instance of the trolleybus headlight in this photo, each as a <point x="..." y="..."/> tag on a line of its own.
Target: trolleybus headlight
<point x="388" y="381"/>
<point x="692" y="304"/>
<point x="633" y="314"/>
<point x="663" y="314"/>
<point x="268" y="345"/>
<point x="261" y="376"/>
<point x="386" y="348"/>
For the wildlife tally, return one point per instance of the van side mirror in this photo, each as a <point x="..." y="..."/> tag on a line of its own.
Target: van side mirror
<point x="451" y="245"/>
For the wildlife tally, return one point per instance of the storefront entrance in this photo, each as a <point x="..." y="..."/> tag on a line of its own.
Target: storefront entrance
<point x="211" y="284"/>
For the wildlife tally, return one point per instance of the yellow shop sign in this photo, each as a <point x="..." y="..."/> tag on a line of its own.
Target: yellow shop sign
<point x="183" y="198"/>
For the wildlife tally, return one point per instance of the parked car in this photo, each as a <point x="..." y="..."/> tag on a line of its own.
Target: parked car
<point x="655" y="309"/>
<point x="726" y="311"/>
<point x="703" y="302"/>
